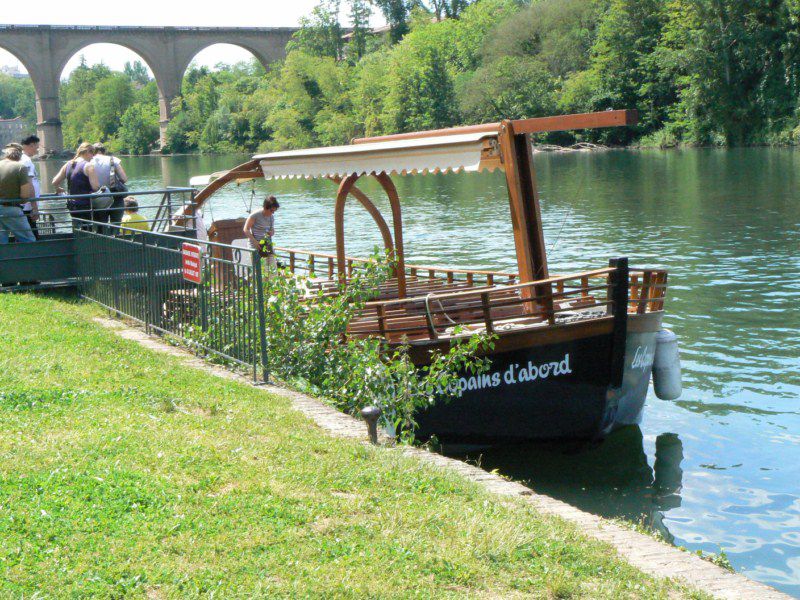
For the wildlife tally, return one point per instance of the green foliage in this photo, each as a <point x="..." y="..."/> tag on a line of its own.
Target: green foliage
<point x="698" y="71"/>
<point x="307" y="345"/>
<point x="17" y="99"/>
<point x="321" y="34"/>
<point x="509" y="88"/>
<point x="138" y="128"/>
<point x="305" y="333"/>
<point x="420" y="90"/>
<point x="396" y="13"/>
<point x="360" y="12"/>
<point x="120" y="108"/>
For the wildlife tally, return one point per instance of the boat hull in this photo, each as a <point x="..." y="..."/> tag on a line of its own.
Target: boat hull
<point x="559" y="390"/>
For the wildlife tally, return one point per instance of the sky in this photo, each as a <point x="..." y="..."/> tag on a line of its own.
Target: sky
<point x="159" y="13"/>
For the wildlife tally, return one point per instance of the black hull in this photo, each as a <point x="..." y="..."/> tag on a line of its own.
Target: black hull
<point x="565" y="390"/>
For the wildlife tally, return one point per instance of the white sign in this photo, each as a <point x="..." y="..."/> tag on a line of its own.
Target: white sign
<point x="513" y="375"/>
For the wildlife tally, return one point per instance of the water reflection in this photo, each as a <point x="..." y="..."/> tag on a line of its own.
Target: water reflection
<point x="613" y="478"/>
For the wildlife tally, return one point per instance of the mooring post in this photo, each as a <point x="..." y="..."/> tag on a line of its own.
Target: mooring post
<point x="371" y="414"/>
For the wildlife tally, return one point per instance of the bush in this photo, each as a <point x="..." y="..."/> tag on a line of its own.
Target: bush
<point x="307" y="346"/>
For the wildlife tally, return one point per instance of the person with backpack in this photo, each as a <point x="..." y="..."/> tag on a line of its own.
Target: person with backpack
<point x="111" y="175"/>
<point x="81" y="178"/>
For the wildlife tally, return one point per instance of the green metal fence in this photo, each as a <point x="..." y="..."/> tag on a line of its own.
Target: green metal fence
<point x="141" y="276"/>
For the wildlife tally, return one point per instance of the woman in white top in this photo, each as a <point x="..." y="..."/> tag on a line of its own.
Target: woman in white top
<point x="110" y="174"/>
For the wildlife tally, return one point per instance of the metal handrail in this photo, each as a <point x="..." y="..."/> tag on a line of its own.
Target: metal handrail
<point x="159" y="234"/>
<point x="168" y="190"/>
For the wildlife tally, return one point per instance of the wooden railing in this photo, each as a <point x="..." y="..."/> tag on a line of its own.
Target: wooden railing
<point x="438" y="294"/>
<point x="321" y="264"/>
<point x="584" y="295"/>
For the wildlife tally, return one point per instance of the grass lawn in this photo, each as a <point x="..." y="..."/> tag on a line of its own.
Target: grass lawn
<point x="125" y="473"/>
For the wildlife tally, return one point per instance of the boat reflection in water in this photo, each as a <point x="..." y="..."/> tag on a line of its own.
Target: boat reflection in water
<point x="612" y="478"/>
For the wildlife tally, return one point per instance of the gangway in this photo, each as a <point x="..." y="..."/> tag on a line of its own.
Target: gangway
<point x="50" y="261"/>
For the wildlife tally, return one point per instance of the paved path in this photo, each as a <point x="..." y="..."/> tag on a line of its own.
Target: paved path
<point x="642" y="551"/>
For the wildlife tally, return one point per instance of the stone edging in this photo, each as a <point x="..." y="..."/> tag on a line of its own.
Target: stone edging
<point x="642" y="551"/>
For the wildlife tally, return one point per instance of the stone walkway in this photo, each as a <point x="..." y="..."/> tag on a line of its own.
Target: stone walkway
<point x="642" y="551"/>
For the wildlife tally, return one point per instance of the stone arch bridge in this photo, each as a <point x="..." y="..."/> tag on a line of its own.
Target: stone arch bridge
<point x="44" y="50"/>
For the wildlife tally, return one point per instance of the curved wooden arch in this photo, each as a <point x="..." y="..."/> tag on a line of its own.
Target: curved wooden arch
<point x="345" y="186"/>
<point x="397" y="223"/>
<point x="374" y="213"/>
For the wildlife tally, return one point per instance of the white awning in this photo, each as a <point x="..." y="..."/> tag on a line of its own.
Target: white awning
<point x="470" y="152"/>
<point x="203" y="180"/>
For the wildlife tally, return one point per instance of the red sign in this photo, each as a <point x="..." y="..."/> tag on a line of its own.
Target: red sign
<point x="192" y="263"/>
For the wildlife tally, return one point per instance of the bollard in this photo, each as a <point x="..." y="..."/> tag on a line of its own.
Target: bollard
<point x="371" y="414"/>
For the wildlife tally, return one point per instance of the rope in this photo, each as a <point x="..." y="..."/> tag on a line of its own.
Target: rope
<point x="428" y="309"/>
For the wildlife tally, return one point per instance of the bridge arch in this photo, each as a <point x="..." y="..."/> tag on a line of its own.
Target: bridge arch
<point x="167" y="80"/>
<point x="45" y="87"/>
<point x="45" y="49"/>
<point x="261" y="57"/>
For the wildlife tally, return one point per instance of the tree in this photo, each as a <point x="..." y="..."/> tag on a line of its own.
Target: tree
<point x="360" y="12"/>
<point x="421" y="91"/>
<point x="509" y="88"/>
<point x="320" y="34"/>
<point x="736" y="64"/>
<point x="624" y="67"/>
<point x="137" y="73"/>
<point x="139" y="130"/>
<point x="448" y="9"/>
<point x="112" y="97"/>
<point x="17" y="99"/>
<point x="396" y="13"/>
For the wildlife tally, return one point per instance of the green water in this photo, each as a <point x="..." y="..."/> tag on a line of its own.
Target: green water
<point x="718" y="469"/>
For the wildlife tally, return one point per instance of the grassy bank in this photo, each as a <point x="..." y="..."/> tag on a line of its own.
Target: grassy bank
<point x="122" y="472"/>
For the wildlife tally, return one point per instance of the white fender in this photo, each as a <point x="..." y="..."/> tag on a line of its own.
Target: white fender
<point x="667" y="366"/>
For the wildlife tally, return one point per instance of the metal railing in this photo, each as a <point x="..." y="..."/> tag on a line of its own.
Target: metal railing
<point x="140" y="275"/>
<point x="56" y="211"/>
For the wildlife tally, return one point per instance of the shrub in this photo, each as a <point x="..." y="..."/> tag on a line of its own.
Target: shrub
<point x="307" y="346"/>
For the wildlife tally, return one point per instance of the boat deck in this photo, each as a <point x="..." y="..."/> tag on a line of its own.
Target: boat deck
<point x="442" y="303"/>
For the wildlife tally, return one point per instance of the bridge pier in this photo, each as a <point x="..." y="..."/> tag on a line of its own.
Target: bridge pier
<point x="52" y="140"/>
<point x="48" y="125"/>
<point x="169" y="88"/>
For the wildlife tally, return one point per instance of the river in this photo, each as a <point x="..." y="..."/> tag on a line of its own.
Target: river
<point x="718" y="469"/>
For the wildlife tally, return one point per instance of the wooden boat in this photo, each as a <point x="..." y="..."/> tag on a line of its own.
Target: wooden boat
<point x="574" y="353"/>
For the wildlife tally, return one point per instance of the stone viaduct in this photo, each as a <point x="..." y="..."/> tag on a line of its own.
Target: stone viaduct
<point x="44" y="50"/>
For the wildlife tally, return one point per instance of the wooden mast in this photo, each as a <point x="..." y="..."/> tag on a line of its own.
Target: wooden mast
<point x="526" y="217"/>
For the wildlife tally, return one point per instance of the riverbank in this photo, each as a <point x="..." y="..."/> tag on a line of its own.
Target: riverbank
<point x="126" y="472"/>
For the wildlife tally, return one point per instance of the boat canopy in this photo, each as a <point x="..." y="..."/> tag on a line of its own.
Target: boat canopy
<point x="203" y="180"/>
<point x="470" y="152"/>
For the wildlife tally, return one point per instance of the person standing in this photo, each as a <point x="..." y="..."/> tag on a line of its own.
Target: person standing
<point x="81" y="179"/>
<point x="30" y="148"/>
<point x="111" y="175"/>
<point x="260" y="227"/>
<point x="14" y="185"/>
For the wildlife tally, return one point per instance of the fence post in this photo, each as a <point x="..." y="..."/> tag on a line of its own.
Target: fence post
<point x="262" y="330"/>
<point x="148" y="286"/>
<point x="201" y="291"/>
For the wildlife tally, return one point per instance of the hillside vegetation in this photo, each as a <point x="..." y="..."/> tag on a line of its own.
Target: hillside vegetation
<point x="721" y="72"/>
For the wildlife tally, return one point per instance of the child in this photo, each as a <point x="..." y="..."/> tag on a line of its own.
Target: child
<point x="132" y="219"/>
